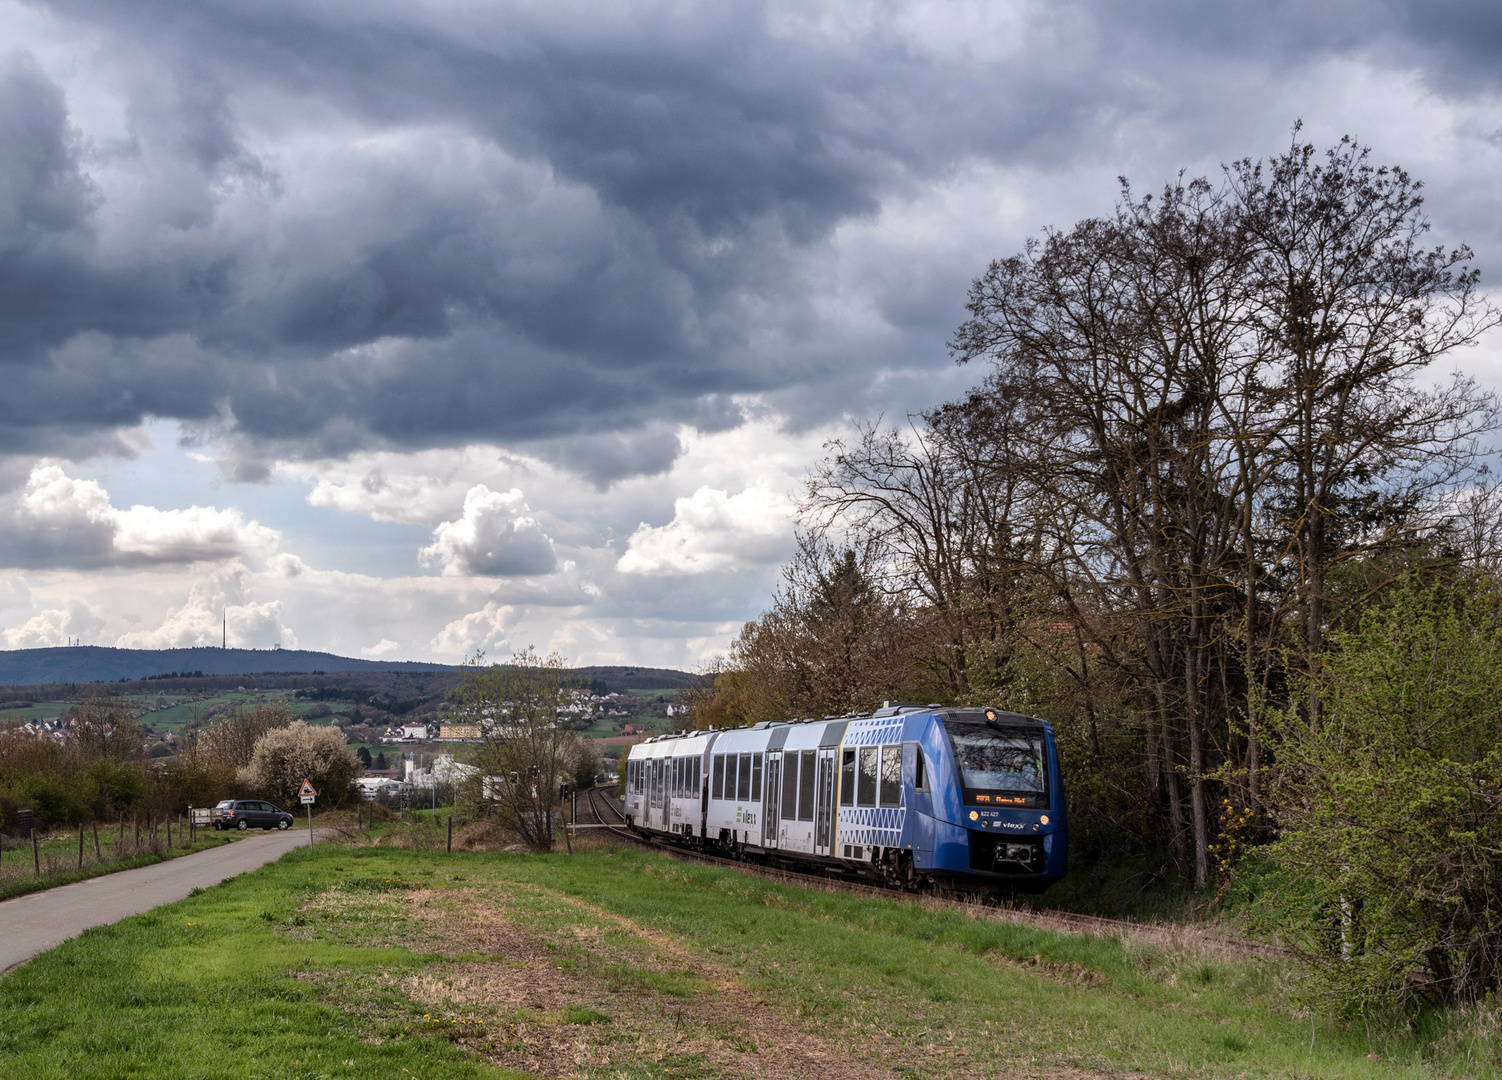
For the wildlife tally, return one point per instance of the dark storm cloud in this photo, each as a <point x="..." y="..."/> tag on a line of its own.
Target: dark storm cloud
<point x="702" y="117"/>
<point x="546" y="224"/>
<point x="679" y="151"/>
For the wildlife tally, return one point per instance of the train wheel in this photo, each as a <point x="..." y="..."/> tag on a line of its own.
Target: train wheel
<point x="907" y="873"/>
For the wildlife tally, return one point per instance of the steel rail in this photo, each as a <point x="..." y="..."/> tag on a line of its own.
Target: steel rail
<point x="1068" y="921"/>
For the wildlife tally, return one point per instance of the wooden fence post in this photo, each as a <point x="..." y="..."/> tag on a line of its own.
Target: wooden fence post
<point x="97" y="856"/>
<point x="36" y="856"/>
<point x="80" y="845"/>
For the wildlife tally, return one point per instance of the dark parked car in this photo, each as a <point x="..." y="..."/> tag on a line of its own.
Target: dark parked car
<point x="245" y="814"/>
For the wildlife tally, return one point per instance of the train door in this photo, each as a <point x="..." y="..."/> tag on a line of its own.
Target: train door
<point x="658" y="816"/>
<point x="664" y="792"/>
<point x="824" y="807"/>
<point x="771" y="797"/>
<point x="703" y="775"/>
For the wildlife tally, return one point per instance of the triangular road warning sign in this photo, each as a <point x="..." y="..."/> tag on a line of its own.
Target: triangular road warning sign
<point x="306" y="789"/>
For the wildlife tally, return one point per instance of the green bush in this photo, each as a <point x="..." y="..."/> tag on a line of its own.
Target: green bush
<point x="53" y="799"/>
<point x="1388" y="797"/>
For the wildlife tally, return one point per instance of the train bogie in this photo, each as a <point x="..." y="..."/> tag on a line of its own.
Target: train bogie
<point x="969" y="797"/>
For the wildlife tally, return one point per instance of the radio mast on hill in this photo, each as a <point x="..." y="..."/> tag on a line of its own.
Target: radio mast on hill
<point x="224" y="641"/>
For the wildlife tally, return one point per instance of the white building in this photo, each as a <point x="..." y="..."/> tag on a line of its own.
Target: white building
<point x="443" y="770"/>
<point x="372" y="786"/>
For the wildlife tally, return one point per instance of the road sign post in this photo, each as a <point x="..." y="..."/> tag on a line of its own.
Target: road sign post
<point x="307" y="795"/>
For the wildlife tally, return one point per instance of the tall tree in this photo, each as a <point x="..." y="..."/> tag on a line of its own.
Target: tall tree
<point x="1224" y="402"/>
<point x="832" y="642"/>
<point x="939" y="511"/>
<point x="525" y="753"/>
<point x="1356" y="310"/>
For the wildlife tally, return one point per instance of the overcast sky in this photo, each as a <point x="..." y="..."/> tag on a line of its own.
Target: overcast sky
<point x="406" y="329"/>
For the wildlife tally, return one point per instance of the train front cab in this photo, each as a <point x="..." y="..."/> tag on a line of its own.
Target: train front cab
<point x="992" y="810"/>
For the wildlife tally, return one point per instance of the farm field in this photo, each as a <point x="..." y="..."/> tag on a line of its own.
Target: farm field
<point x="377" y="960"/>
<point x="40" y="710"/>
<point x="177" y="716"/>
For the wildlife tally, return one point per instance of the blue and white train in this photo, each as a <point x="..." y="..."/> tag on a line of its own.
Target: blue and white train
<point x="916" y="795"/>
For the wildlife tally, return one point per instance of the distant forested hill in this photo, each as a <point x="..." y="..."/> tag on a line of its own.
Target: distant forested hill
<point x="92" y="663"/>
<point x="49" y="674"/>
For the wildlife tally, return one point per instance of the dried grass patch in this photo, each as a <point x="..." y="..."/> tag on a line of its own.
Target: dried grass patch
<point x="603" y="996"/>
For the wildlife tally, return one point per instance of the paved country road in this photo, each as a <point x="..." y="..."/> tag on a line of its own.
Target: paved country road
<point x="36" y="922"/>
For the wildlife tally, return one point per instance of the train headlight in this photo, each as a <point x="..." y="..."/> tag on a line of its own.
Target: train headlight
<point x="974" y="816"/>
<point x="1043" y="820"/>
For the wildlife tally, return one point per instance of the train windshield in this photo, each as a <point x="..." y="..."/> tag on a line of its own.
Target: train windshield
<point x="1001" y="765"/>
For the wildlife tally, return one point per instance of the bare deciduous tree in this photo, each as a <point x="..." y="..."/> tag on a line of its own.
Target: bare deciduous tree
<point x="233" y="740"/>
<point x="525" y="752"/>
<point x="833" y="641"/>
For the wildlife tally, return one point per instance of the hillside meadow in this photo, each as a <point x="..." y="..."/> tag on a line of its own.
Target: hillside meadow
<point x="365" y="959"/>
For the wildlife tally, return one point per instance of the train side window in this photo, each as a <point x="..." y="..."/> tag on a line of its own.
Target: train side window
<point x="847" y="778"/>
<point x="698" y="787"/>
<point x="891" y="776"/>
<point x="678" y="778"/>
<point x="790" y="785"/>
<point x="756" y="778"/>
<point x="920" y="770"/>
<point x="719" y="777"/>
<point x="806" y="787"/>
<point x="743" y="788"/>
<point x="867" y="782"/>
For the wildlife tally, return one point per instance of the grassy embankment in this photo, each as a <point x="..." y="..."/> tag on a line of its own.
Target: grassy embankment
<point x="361" y="961"/>
<point x="57" y="855"/>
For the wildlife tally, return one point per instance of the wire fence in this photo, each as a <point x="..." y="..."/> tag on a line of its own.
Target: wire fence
<point x="67" y="853"/>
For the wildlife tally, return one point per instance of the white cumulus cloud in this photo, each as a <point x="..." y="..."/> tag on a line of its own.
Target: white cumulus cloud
<point x="58" y="520"/>
<point x="55" y="627"/>
<point x="713" y="530"/>
<point x="483" y="630"/>
<point x="495" y="537"/>
<point x="217" y="608"/>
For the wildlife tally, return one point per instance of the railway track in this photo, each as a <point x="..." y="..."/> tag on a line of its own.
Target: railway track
<point x="1182" y="938"/>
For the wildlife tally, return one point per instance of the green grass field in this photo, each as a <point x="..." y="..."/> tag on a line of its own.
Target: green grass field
<point x="175" y="717"/>
<point x="381" y="961"/>
<point x="41" y="710"/>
